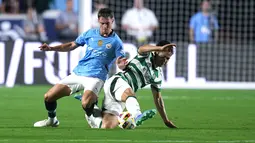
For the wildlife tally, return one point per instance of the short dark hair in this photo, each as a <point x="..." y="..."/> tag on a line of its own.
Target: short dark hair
<point x="164" y="42"/>
<point x="105" y="12"/>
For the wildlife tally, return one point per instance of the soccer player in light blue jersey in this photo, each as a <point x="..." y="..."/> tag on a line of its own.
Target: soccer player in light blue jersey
<point x="103" y="47"/>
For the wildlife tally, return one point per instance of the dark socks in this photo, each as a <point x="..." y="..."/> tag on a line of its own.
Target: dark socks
<point x="51" y="107"/>
<point x="89" y="110"/>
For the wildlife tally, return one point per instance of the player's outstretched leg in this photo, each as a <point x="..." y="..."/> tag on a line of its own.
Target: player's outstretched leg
<point x="50" y="100"/>
<point x="52" y="120"/>
<point x="145" y="116"/>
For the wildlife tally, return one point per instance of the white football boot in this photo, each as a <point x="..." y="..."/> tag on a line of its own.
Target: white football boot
<point x="94" y="118"/>
<point x="50" y="122"/>
<point x="91" y="121"/>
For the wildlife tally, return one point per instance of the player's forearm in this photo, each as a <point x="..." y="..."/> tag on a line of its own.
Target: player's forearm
<point x="65" y="47"/>
<point x="159" y="103"/>
<point x="160" y="107"/>
<point x="61" y="26"/>
<point x="149" y="48"/>
<point x="191" y="35"/>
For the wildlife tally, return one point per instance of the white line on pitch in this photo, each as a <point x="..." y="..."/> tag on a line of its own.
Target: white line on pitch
<point x="156" y="141"/>
<point x="136" y="141"/>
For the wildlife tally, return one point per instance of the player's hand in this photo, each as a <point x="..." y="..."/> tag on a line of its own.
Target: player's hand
<point x="45" y="47"/>
<point x="170" y="124"/>
<point x="121" y="62"/>
<point x="168" y="47"/>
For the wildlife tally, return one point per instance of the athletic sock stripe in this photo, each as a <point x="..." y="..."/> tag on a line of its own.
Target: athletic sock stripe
<point x="100" y="125"/>
<point x="131" y="96"/>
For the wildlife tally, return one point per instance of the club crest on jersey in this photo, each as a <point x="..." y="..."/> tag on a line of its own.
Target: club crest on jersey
<point x="100" y="43"/>
<point x="108" y="46"/>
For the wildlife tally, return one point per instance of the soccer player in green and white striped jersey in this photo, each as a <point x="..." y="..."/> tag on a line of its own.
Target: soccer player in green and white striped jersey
<point x="144" y="69"/>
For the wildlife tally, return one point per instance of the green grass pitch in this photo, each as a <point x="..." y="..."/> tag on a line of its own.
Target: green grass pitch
<point x="211" y="116"/>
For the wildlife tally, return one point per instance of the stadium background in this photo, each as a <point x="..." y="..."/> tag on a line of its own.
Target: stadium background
<point x="230" y="59"/>
<point x="211" y="116"/>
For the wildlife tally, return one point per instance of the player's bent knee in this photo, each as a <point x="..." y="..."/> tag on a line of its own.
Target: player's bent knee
<point x="127" y="93"/>
<point x="47" y="97"/>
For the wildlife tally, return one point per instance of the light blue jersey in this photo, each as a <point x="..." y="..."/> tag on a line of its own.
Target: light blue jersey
<point x="100" y="53"/>
<point x="203" y="26"/>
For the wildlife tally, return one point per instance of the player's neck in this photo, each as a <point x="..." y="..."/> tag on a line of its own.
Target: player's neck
<point x="205" y="13"/>
<point x="106" y="35"/>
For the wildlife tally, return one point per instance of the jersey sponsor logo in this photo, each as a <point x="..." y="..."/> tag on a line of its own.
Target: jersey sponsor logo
<point x="100" y="43"/>
<point x="108" y="46"/>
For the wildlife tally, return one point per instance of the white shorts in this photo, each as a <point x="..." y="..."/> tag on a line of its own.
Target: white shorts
<point x="114" y="86"/>
<point x="77" y="83"/>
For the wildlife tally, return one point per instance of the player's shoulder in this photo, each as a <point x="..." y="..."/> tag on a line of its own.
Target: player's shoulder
<point x="197" y="15"/>
<point x="117" y="38"/>
<point x="131" y="12"/>
<point x="93" y="31"/>
<point x="147" y="10"/>
<point x="89" y="32"/>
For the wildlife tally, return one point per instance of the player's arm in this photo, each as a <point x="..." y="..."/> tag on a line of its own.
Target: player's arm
<point x="61" y="26"/>
<point x="160" y="106"/>
<point x="192" y="24"/>
<point x="149" y="48"/>
<point x="191" y="35"/>
<point x="121" y="62"/>
<point x="60" y="48"/>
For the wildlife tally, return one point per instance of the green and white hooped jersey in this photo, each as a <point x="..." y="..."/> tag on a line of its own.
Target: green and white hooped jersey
<point x="140" y="72"/>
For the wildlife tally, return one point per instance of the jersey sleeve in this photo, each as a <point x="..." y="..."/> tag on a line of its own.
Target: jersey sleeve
<point x="157" y="85"/>
<point x="81" y="40"/>
<point x="119" y="51"/>
<point x="157" y="80"/>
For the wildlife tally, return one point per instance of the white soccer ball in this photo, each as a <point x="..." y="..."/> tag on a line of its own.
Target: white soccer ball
<point x="126" y="120"/>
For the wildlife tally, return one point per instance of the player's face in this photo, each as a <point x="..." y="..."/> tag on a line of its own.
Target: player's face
<point x="162" y="58"/>
<point x="205" y="6"/>
<point x="105" y="25"/>
<point x="138" y="4"/>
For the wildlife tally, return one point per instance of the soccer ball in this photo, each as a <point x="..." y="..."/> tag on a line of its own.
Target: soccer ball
<point x="126" y="120"/>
